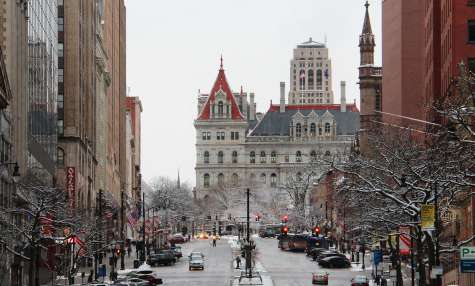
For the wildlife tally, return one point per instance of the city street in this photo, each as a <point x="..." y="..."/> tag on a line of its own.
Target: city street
<point x="217" y="265"/>
<point x="295" y="269"/>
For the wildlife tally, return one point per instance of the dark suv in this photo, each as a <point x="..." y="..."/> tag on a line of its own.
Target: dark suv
<point x="163" y="257"/>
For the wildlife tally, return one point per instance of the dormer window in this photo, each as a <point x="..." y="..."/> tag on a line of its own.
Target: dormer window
<point x="220" y="108"/>
<point x="298" y="130"/>
<point x="327" y="128"/>
<point x="313" y="129"/>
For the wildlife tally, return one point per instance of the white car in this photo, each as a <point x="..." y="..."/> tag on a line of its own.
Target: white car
<point x="196" y="261"/>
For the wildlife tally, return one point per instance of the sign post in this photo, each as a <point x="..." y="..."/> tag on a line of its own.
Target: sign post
<point x="467" y="259"/>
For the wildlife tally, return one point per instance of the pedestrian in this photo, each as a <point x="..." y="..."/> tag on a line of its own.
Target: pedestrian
<point x="214" y="241"/>
<point x="129" y="250"/>
<point x="238" y="262"/>
<point x="91" y="276"/>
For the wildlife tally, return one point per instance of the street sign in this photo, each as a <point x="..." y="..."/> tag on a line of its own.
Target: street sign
<point x="467" y="253"/>
<point x="377" y="257"/>
<point x="467" y="259"/>
<point x="427" y="217"/>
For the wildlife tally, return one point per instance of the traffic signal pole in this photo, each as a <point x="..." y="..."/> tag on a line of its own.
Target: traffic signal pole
<point x="122" y="236"/>
<point x="248" y="243"/>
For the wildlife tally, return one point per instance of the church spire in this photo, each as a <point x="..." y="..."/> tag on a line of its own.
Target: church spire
<point x="367" y="42"/>
<point x="178" y="185"/>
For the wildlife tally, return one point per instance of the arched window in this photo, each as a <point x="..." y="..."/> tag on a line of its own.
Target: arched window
<point x="327" y="128"/>
<point x="319" y="79"/>
<point x="298" y="130"/>
<point x="313" y="129"/>
<point x="298" y="156"/>
<point x="252" y="157"/>
<point x="60" y="157"/>
<point x="302" y="80"/>
<point x="235" y="179"/>
<point x="273" y="157"/>
<point x="206" y="157"/>
<point x="235" y="157"/>
<point x="320" y="130"/>
<point x="221" y="179"/>
<point x="273" y="180"/>
<point x="206" y="180"/>
<point x="313" y="155"/>
<point x="263" y="156"/>
<point x="310" y="79"/>
<point x="220" y="108"/>
<point x="263" y="178"/>
<point x="220" y="157"/>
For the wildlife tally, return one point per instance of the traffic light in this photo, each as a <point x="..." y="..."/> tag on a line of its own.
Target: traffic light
<point x="285" y="218"/>
<point x="117" y="252"/>
<point x="258" y="217"/>
<point x="317" y="230"/>
<point x="285" y="230"/>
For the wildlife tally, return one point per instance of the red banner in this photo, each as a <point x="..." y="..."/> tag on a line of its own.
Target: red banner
<point x="71" y="186"/>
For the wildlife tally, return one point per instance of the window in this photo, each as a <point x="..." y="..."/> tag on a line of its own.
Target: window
<point x="313" y="155"/>
<point x="327" y="153"/>
<point x="60" y="157"/>
<point x="252" y="157"/>
<point x="221" y="179"/>
<point x="471" y="64"/>
<point x="327" y="128"/>
<point x="313" y="129"/>
<point x="319" y="79"/>
<point x="60" y="103"/>
<point x="204" y="135"/>
<point x="234" y="135"/>
<point x="273" y="180"/>
<point x="235" y="157"/>
<point x="60" y="75"/>
<point x="298" y="130"/>
<point x="60" y="127"/>
<point x="206" y="180"/>
<point x="263" y="178"/>
<point x="252" y="178"/>
<point x="320" y="130"/>
<point x="471" y="31"/>
<point x="220" y="108"/>
<point x="208" y="135"/>
<point x="286" y="158"/>
<point x="206" y="157"/>
<point x="220" y="135"/>
<point x="310" y="79"/>
<point x="60" y="24"/>
<point x="60" y="50"/>
<point x="298" y="156"/>
<point x="220" y="157"/>
<point x="302" y="79"/>
<point x="273" y="157"/>
<point x="263" y="156"/>
<point x="235" y="179"/>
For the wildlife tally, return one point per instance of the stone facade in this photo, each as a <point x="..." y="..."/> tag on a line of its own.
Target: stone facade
<point x="236" y="148"/>
<point x="311" y="75"/>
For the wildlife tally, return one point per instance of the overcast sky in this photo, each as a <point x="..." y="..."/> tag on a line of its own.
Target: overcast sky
<point x="174" y="46"/>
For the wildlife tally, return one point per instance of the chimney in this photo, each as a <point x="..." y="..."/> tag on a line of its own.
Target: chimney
<point x="252" y="107"/>
<point x="282" y="97"/>
<point x="343" y="97"/>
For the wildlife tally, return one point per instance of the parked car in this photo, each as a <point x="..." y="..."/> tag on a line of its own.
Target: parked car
<point x="360" y="280"/>
<point x="320" y="278"/>
<point x="163" y="257"/>
<point x="177" y="251"/>
<point x="153" y="279"/>
<point x="315" y="252"/>
<point x="196" y="261"/>
<point x="202" y="235"/>
<point x="335" y="262"/>
<point x="328" y="253"/>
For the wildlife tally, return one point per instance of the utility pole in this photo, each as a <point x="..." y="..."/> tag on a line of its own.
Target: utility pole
<point x="142" y="255"/>
<point x="248" y="238"/>
<point x="122" y="237"/>
<point x="438" y="281"/>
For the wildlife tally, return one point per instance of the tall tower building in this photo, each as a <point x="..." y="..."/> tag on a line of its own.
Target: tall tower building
<point x="370" y="78"/>
<point x="311" y="75"/>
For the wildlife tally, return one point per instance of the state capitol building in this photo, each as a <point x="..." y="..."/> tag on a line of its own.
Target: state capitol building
<point x="237" y="147"/>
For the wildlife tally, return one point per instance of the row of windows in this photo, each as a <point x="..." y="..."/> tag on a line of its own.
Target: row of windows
<point x="313" y="129"/>
<point x="262" y="157"/>
<point x="235" y="179"/>
<point x="220" y="135"/>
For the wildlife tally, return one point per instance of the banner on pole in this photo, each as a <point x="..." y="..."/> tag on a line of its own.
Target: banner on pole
<point x="427" y="217"/>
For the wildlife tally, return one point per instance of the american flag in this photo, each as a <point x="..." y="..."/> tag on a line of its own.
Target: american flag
<point x="132" y="217"/>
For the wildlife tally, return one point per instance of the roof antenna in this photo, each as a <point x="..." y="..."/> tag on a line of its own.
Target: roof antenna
<point x="325" y="39"/>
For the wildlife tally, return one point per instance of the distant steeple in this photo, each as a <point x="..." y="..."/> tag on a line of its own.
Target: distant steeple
<point x="178" y="180"/>
<point x="367" y="42"/>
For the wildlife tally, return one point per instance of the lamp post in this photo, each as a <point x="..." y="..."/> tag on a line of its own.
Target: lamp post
<point x="142" y="254"/>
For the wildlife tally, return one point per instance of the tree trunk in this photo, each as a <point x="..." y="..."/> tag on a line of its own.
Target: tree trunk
<point x="420" y="258"/>
<point x="31" y="270"/>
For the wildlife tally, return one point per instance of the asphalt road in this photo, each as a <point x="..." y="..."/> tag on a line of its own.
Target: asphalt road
<point x="295" y="269"/>
<point x="217" y="266"/>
